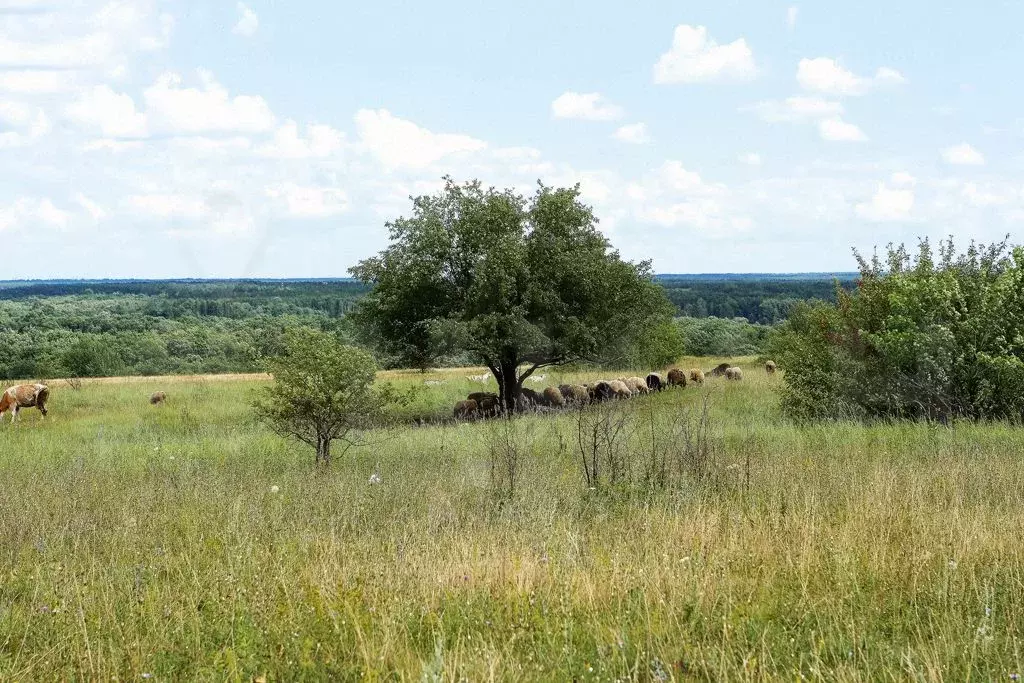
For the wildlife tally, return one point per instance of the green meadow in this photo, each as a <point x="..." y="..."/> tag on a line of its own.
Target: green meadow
<point x="186" y="542"/>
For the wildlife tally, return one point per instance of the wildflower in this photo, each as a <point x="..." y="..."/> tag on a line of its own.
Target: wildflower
<point x="147" y="675"/>
<point x="275" y="488"/>
<point x="988" y="611"/>
<point x="952" y="564"/>
<point x="375" y="479"/>
<point x="1014" y="677"/>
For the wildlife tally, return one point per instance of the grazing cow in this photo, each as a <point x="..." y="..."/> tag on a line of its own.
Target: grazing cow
<point x="157" y="398"/>
<point x="466" y="410"/>
<point x="734" y="374"/>
<point x="24" y="396"/>
<point x="696" y="375"/>
<point x="655" y="382"/>
<point x="770" y="367"/>
<point x="676" y="378"/>
<point x="719" y="370"/>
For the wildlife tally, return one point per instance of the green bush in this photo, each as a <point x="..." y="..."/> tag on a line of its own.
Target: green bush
<point x="920" y="337"/>
<point x="721" y="337"/>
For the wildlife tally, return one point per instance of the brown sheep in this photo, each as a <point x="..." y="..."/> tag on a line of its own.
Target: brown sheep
<point x="157" y="398"/>
<point x="574" y="393"/>
<point x="481" y="396"/>
<point x="770" y="367"/>
<point x="655" y="382"/>
<point x="490" y="407"/>
<point x="719" y="371"/>
<point x="466" y="410"/>
<point x="696" y="375"/>
<point x="734" y="374"/>
<point x="554" y="397"/>
<point x="676" y="378"/>
<point x="619" y="389"/>
<point x="528" y="398"/>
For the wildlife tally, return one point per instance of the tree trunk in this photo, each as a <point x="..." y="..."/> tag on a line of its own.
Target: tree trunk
<point x="508" y="385"/>
<point x="323" y="450"/>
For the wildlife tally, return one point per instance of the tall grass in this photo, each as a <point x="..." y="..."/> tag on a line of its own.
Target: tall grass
<point x="183" y="542"/>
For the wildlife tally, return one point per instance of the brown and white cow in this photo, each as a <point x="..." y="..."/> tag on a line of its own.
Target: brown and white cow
<point x="24" y="396"/>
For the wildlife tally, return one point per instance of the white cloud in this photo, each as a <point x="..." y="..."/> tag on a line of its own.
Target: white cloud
<point x="838" y="130"/>
<point x="310" y="202"/>
<point x="320" y="142"/>
<point x="887" y="204"/>
<point x="983" y="197"/>
<point x="635" y="133"/>
<point x="589" y="106"/>
<point x="751" y="159"/>
<point x="963" y="155"/>
<point x="109" y="145"/>
<point x="111" y="114"/>
<point x="36" y="82"/>
<point x="175" y="109"/>
<point x="248" y="21"/>
<point x="398" y="143"/>
<point x="796" y="109"/>
<point x="31" y="213"/>
<point x="792" y="12"/>
<point x="21" y="124"/>
<point x="696" y="58"/>
<point x="826" y="75"/>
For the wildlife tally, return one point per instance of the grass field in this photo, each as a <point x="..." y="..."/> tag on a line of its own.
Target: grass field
<point x="183" y="542"/>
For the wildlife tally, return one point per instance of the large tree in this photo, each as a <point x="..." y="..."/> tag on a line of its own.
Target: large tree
<point x="521" y="283"/>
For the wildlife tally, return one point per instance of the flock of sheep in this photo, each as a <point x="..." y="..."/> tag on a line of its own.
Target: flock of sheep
<point x="483" y="404"/>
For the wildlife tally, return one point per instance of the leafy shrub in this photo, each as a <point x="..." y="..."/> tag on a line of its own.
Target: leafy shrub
<point x="721" y="337"/>
<point x="920" y="337"/>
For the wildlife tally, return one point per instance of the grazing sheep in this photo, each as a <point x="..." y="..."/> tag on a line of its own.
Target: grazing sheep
<point x="619" y="389"/>
<point x="676" y="378"/>
<point x="490" y="407"/>
<point x="655" y="382"/>
<point x="600" y="391"/>
<point x="770" y="367"/>
<point x="554" y="397"/>
<point x="481" y="396"/>
<point x="574" y="393"/>
<point x="637" y="384"/>
<point x="719" y="371"/>
<point x="157" y="398"/>
<point x="696" y="375"/>
<point x="529" y="398"/>
<point x="466" y="410"/>
<point x="734" y="374"/>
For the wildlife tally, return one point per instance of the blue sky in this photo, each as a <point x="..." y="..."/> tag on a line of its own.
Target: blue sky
<point x="171" y="138"/>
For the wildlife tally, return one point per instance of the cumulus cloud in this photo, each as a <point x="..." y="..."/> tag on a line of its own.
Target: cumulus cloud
<point x="319" y="142"/>
<point x="696" y="58"/>
<point x="248" y="21"/>
<point x="401" y="144"/>
<point x="751" y="159"/>
<point x="825" y="75"/>
<point x="837" y="130"/>
<point x="174" y="109"/>
<point x="33" y="212"/>
<point x="589" y="106"/>
<point x="108" y="113"/>
<point x="963" y="155"/>
<point x="634" y="133"/>
<point x="887" y="204"/>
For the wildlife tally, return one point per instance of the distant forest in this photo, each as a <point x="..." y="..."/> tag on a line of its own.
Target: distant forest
<point x="88" y="328"/>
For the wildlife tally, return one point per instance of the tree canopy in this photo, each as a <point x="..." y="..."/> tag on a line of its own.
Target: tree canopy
<point x="926" y="336"/>
<point x="322" y="391"/>
<point x="521" y="283"/>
